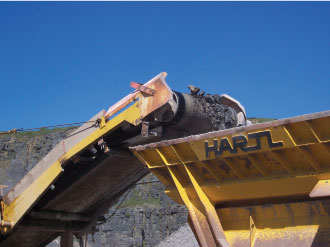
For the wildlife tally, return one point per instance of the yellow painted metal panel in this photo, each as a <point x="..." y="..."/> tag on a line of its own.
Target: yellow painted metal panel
<point x="258" y="178"/>
<point x="142" y="106"/>
<point x="15" y="210"/>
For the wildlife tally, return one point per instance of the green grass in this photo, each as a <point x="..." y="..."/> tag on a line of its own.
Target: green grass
<point x="39" y="132"/>
<point x="54" y="130"/>
<point x="137" y="200"/>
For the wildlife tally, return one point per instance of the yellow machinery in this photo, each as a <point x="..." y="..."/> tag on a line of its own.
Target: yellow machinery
<point x="260" y="185"/>
<point x="76" y="183"/>
<point x="264" y="185"/>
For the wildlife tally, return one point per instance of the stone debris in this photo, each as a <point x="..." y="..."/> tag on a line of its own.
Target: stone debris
<point x="138" y="225"/>
<point x="221" y="115"/>
<point x="193" y="89"/>
<point x="183" y="237"/>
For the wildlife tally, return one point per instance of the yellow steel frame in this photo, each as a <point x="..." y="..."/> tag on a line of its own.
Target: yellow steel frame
<point x="16" y="209"/>
<point x="13" y="212"/>
<point x="260" y="185"/>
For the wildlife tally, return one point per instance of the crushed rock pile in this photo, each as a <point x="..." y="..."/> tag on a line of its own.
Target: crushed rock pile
<point x="183" y="237"/>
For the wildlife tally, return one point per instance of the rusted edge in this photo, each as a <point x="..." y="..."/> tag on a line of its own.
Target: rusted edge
<point x="220" y="133"/>
<point x="131" y="97"/>
<point x="140" y="87"/>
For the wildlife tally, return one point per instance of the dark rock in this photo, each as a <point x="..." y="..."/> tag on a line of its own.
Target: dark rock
<point x="144" y="219"/>
<point x="217" y="98"/>
<point x="193" y="90"/>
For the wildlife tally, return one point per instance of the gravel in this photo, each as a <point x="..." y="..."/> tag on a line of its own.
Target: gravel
<point x="222" y="116"/>
<point x="183" y="237"/>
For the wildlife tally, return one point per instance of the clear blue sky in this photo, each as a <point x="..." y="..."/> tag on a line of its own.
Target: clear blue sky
<point x="62" y="62"/>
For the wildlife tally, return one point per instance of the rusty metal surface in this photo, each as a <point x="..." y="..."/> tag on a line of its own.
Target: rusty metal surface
<point x="62" y="147"/>
<point x="144" y="89"/>
<point x="261" y="185"/>
<point x="85" y="179"/>
<point x="162" y="95"/>
<point x="121" y="104"/>
<point x="233" y="130"/>
<point x="159" y="94"/>
<point x="145" y="129"/>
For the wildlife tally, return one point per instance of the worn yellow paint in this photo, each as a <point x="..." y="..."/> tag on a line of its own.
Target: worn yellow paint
<point x="15" y="210"/>
<point x="211" y="214"/>
<point x="130" y="115"/>
<point x="267" y="188"/>
<point x="253" y="230"/>
<point x="295" y="224"/>
<point x="141" y="106"/>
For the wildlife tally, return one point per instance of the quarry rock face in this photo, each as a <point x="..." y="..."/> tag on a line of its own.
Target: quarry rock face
<point x="144" y="218"/>
<point x="20" y="152"/>
<point x="147" y="218"/>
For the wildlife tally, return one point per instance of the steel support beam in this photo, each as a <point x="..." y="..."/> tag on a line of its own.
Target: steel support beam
<point x="61" y="216"/>
<point x="67" y="239"/>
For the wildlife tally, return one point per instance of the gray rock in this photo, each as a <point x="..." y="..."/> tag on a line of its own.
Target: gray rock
<point x="183" y="237"/>
<point x="146" y="217"/>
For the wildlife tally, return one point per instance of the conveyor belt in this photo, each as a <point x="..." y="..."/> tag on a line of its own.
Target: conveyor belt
<point x="85" y="174"/>
<point x="77" y="182"/>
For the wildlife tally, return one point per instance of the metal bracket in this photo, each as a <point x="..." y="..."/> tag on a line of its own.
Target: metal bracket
<point x="103" y="145"/>
<point x="321" y="189"/>
<point x="101" y="122"/>
<point x="145" y="132"/>
<point x="140" y="87"/>
<point x="145" y="129"/>
<point x="253" y="230"/>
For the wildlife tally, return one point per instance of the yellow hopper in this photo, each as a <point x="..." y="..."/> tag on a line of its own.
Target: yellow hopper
<point x="261" y="185"/>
